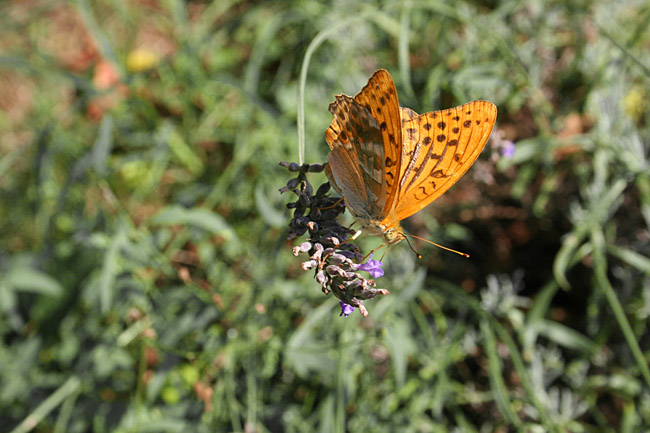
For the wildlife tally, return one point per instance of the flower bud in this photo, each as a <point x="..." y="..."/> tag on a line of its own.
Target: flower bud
<point x="316" y="168"/>
<point x="323" y="189"/>
<point x="321" y="277"/>
<point x="304" y="200"/>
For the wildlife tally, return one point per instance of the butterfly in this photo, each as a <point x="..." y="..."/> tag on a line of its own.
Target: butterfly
<point x="388" y="162"/>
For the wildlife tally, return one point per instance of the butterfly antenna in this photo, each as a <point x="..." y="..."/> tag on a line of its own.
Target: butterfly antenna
<point x="433" y="243"/>
<point x="418" y="255"/>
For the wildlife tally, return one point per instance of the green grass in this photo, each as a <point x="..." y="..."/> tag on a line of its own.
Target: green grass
<point x="145" y="283"/>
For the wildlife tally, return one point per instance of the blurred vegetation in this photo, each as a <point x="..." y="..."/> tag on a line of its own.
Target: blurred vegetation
<point x="145" y="284"/>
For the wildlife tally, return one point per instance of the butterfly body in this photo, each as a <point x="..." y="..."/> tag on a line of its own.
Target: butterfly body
<point x="388" y="162"/>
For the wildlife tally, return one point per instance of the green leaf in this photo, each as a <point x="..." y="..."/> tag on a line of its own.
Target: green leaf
<point x="197" y="217"/>
<point x="110" y="269"/>
<point x="303" y="351"/>
<point x="185" y="154"/>
<point x="30" y="279"/>
<point x="399" y="341"/>
<point x="495" y="371"/>
<point x="632" y="258"/>
<point x="269" y="214"/>
<point x="103" y="146"/>
<point x="566" y="337"/>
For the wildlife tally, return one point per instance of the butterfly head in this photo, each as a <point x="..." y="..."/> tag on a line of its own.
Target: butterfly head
<point x="391" y="233"/>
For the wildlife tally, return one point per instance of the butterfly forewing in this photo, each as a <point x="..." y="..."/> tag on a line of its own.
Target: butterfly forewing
<point x="438" y="148"/>
<point x="379" y="97"/>
<point x="366" y="129"/>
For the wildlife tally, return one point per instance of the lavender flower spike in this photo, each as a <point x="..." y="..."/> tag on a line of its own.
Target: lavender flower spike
<point x="373" y="267"/>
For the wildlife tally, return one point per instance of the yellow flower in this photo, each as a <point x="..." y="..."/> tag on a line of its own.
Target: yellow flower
<point x="635" y="103"/>
<point x="141" y="60"/>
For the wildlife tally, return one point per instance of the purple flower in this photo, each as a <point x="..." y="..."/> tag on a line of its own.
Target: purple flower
<point x="373" y="267"/>
<point x="346" y="309"/>
<point x="507" y="149"/>
<point x="504" y="148"/>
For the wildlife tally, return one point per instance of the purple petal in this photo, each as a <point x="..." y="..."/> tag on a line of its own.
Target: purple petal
<point x="346" y="309"/>
<point x="373" y="267"/>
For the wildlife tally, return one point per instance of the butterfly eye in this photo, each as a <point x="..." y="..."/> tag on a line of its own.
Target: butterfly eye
<point x="391" y="236"/>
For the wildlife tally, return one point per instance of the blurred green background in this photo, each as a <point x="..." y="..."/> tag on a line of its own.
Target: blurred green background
<point x="145" y="283"/>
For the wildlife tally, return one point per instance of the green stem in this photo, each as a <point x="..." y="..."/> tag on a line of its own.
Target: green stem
<point x="600" y="274"/>
<point x="33" y="419"/>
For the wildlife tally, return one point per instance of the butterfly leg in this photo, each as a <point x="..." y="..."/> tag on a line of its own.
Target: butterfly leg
<point x="332" y="206"/>
<point x="373" y="251"/>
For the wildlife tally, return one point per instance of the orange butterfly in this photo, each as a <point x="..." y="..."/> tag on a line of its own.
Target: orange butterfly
<point x="388" y="162"/>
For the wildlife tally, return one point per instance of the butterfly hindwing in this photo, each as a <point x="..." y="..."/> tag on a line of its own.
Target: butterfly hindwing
<point x="356" y="161"/>
<point x="438" y="148"/>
